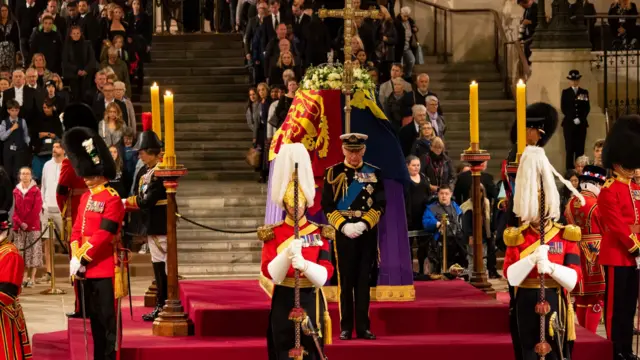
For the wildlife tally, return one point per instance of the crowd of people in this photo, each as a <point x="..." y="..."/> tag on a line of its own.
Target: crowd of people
<point x="54" y="56"/>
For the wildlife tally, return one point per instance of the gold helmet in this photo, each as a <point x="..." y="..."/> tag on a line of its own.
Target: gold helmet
<point x="282" y="181"/>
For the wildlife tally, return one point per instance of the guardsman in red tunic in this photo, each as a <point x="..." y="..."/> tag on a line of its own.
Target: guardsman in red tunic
<point x="619" y="205"/>
<point x="13" y="329"/>
<point x="526" y="258"/>
<point x="71" y="187"/>
<point x="282" y="253"/>
<point x="589" y="294"/>
<point x="94" y="235"/>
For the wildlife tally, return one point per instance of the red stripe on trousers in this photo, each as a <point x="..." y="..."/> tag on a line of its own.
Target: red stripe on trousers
<point x="609" y="304"/>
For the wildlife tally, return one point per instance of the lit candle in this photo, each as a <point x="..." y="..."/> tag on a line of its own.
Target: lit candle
<point x="169" y="145"/>
<point x="521" y="116"/>
<point x="155" y="110"/>
<point x="474" y="126"/>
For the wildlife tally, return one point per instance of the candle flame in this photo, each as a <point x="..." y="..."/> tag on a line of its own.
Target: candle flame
<point x="155" y="84"/>
<point x="474" y="82"/>
<point x="168" y="93"/>
<point x="520" y="82"/>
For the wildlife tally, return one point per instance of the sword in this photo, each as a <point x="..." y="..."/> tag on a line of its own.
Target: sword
<point x="559" y="331"/>
<point x="309" y="330"/>
<point x="119" y="308"/>
<point x="84" y="318"/>
<point x="129" y="285"/>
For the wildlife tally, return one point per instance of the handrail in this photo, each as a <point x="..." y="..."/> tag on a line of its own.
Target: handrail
<point x="501" y="43"/>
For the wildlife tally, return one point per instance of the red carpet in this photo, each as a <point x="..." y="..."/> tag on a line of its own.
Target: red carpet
<point x="449" y="320"/>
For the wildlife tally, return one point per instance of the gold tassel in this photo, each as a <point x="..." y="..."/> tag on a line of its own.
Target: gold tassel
<point x="327" y="328"/>
<point x="571" y="321"/>
<point x="121" y="286"/>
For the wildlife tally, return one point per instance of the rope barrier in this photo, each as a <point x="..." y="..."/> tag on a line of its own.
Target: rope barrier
<point x="180" y="216"/>
<point x="35" y="241"/>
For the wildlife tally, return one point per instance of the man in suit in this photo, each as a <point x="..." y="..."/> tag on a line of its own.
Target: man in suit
<point x="409" y="133"/>
<point x="24" y="95"/>
<point x="300" y="23"/>
<point x="27" y="19"/>
<point x="31" y="81"/>
<point x="88" y="24"/>
<point x="422" y="91"/>
<point x="575" y="107"/>
<point x="271" y="22"/>
<point x="109" y="96"/>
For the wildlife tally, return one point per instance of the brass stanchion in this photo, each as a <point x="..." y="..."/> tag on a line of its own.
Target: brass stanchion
<point x="52" y="253"/>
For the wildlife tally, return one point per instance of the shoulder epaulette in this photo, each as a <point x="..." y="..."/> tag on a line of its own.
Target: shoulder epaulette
<point x="513" y="235"/>
<point x="266" y="233"/>
<point x="327" y="231"/>
<point x="572" y="233"/>
<point x="608" y="182"/>
<point x="113" y="192"/>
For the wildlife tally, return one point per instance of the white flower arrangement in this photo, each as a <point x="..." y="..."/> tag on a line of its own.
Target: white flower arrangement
<point x="329" y="77"/>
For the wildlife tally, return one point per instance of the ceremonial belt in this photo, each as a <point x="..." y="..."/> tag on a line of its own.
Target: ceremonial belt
<point x="534" y="283"/>
<point x="353" y="190"/>
<point x="352" y="213"/>
<point x="291" y="282"/>
<point x="634" y="228"/>
<point x="591" y="237"/>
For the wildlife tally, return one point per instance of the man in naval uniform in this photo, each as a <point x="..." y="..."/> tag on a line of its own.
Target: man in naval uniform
<point x="353" y="201"/>
<point x="150" y="197"/>
<point x="575" y="107"/>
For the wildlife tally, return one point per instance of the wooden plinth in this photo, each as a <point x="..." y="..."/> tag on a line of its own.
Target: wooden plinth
<point x="172" y="321"/>
<point x="150" y="296"/>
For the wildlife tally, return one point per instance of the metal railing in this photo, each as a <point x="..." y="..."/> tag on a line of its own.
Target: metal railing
<point x="508" y="53"/>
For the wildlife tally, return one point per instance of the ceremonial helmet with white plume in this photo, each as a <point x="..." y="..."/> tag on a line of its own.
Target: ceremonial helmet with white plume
<point x="536" y="172"/>
<point x="282" y="185"/>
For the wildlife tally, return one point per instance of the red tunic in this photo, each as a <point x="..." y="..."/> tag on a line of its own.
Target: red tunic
<point x="13" y="329"/>
<point x="94" y="235"/>
<point x="278" y="237"/>
<point x="587" y="217"/>
<point x="562" y="241"/>
<point x="618" y="203"/>
<point x="70" y="189"/>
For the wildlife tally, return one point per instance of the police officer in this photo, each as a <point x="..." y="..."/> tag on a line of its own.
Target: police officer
<point x="94" y="237"/>
<point x="150" y="197"/>
<point x="353" y="201"/>
<point x="575" y="107"/>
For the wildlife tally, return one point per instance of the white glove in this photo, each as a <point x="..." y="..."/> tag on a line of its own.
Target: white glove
<point x="82" y="270"/>
<point x="545" y="267"/>
<point x="638" y="262"/>
<point x="351" y="231"/>
<point x="541" y="253"/>
<point x="295" y="248"/>
<point x="74" y="266"/>
<point x="299" y="263"/>
<point x="124" y="202"/>
<point x="576" y="121"/>
<point x="361" y="227"/>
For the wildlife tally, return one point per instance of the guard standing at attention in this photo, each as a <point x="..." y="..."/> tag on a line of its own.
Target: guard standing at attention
<point x="12" y="324"/>
<point x="283" y="253"/>
<point x="353" y="201"/>
<point x="619" y="204"/>
<point x="589" y="293"/>
<point x="575" y="107"/>
<point x="94" y="237"/>
<point x="150" y="197"/>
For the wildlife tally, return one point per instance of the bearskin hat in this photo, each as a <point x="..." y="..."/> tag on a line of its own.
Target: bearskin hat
<point x="88" y="153"/>
<point x="79" y="114"/>
<point x="541" y="116"/>
<point x="622" y="144"/>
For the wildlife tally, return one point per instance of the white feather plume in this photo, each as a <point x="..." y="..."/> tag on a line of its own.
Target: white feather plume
<point x="283" y="169"/>
<point x="535" y="170"/>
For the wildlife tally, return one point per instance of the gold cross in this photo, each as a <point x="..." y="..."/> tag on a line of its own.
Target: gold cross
<point x="349" y="15"/>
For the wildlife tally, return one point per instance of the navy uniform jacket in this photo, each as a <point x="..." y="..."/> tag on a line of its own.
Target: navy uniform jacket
<point x="575" y="105"/>
<point x="150" y="197"/>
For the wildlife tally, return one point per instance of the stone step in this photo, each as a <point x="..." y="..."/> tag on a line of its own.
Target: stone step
<point x="220" y="257"/>
<point x="205" y="269"/>
<point x="221" y="201"/>
<point x="233" y="224"/>
<point x="195" y="136"/>
<point x="220" y="246"/>
<point x="223" y="175"/>
<point x="203" y="98"/>
<point x="210" y="188"/>
<point x="457" y="76"/>
<point x="437" y="87"/>
<point x="456" y="134"/>
<point x="218" y="118"/>
<point x="200" y="45"/>
<point x="186" y="145"/>
<point x="506" y="116"/>
<point x="215" y="165"/>
<point x="166" y="79"/>
<point x="157" y="72"/>
<point x="196" y="37"/>
<point x="215" y="155"/>
<point x="194" y="54"/>
<point x="465" y="67"/>
<point x="139" y="265"/>
<point x="448" y="95"/>
<point x="186" y="236"/>
<point x="222" y="212"/>
<point x="200" y="108"/>
<point x="230" y="126"/>
<point x="462" y="106"/>
<point x="215" y="87"/>
<point x="198" y="63"/>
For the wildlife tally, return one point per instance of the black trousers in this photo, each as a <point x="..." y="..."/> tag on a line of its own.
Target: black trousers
<point x="100" y="305"/>
<point x="356" y="260"/>
<point x="528" y="323"/>
<point x="281" y="331"/>
<point x="513" y="324"/>
<point x="574" y="139"/>
<point x="161" y="282"/>
<point x="620" y="299"/>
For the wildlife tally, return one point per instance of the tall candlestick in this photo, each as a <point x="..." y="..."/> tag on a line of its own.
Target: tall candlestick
<point x="474" y="126"/>
<point x="169" y="145"/>
<point x="521" y="116"/>
<point x="155" y="110"/>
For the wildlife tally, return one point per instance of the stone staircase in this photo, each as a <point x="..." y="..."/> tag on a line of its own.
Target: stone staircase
<point x="206" y="73"/>
<point x="451" y="83"/>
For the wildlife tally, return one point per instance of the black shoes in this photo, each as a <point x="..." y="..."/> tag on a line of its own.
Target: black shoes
<point x="74" y="315"/>
<point x="152" y="315"/>
<point x="494" y="275"/>
<point x="629" y="356"/>
<point x="345" y="335"/>
<point x="367" y="335"/>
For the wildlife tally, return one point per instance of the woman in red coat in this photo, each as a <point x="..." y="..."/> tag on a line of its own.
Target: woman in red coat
<point x="26" y="223"/>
